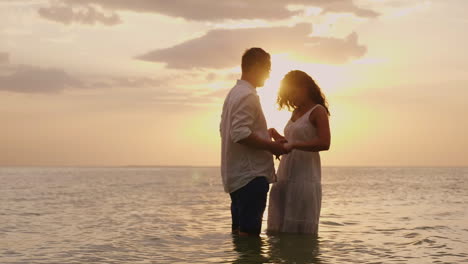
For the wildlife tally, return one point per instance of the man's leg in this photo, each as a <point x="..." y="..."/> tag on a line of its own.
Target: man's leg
<point x="234" y="213"/>
<point x="252" y="205"/>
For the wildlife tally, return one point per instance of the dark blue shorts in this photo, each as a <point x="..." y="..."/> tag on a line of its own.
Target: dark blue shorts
<point x="248" y="204"/>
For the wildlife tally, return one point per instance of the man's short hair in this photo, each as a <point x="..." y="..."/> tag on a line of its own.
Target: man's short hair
<point x="253" y="56"/>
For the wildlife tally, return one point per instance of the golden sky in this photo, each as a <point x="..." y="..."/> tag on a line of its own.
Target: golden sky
<point x="112" y="82"/>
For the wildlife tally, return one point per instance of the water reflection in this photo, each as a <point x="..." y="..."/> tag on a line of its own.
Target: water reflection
<point x="249" y="249"/>
<point x="289" y="248"/>
<point x="282" y="248"/>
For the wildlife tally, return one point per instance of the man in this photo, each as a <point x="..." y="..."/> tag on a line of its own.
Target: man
<point x="246" y="150"/>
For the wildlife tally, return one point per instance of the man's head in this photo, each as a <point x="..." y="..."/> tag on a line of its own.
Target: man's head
<point x="256" y="66"/>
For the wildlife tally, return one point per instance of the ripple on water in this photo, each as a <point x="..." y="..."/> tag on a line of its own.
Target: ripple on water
<point x="423" y="241"/>
<point x="412" y="235"/>
<point x="431" y="227"/>
<point x="331" y="223"/>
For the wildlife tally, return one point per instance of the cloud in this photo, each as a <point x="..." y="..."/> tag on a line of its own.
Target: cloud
<point x="222" y="48"/>
<point x="126" y="82"/>
<point x="204" y="10"/>
<point x="4" y="58"/>
<point x="348" y="7"/>
<point x="83" y="15"/>
<point x="33" y="79"/>
<point x="29" y="79"/>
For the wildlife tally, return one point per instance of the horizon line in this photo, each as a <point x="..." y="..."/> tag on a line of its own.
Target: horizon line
<point x="217" y="166"/>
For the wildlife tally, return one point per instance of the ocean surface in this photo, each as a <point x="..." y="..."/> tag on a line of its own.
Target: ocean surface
<point x="181" y="215"/>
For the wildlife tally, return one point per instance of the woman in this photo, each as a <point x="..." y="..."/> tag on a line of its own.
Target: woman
<point x="295" y="200"/>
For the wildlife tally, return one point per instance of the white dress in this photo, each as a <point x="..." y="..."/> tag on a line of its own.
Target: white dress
<point x="296" y="198"/>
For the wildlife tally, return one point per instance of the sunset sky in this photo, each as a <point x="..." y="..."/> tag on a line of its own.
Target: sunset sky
<point x="117" y="82"/>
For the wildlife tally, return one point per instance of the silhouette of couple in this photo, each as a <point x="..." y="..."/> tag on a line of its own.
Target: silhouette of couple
<point x="248" y="146"/>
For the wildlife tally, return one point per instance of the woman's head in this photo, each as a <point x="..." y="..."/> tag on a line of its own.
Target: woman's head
<point x="297" y="88"/>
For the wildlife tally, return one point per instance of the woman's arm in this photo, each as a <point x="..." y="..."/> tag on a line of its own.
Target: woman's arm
<point x="322" y="141"/>
<point x="276" y="136"/>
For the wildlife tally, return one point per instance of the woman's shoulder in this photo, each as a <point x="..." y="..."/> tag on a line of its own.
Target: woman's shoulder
<point x="318" y="110"/>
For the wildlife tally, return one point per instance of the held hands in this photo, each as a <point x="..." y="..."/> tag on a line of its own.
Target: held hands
<point x="288" y="147"/>
<point x="276" y="136"/>
<point x="277" y="149"/>
<point x="280" y="145"/>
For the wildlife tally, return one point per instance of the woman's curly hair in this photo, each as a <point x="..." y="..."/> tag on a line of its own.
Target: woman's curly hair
<point x="294" y="79"/>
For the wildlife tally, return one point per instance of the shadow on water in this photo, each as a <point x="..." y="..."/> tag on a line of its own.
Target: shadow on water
<point x="283" y="248"/>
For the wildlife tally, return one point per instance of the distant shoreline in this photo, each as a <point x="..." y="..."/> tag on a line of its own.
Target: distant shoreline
<point x="214" y="167"/>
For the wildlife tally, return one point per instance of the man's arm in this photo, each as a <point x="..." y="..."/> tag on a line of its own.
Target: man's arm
<point x="254" y="141"/>
<point x="243" y="118"/>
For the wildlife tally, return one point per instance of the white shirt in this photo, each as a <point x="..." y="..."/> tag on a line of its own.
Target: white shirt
<point x="243" y="115"/>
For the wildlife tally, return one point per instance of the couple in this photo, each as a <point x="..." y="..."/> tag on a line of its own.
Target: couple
<point x="248" y="147"/>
